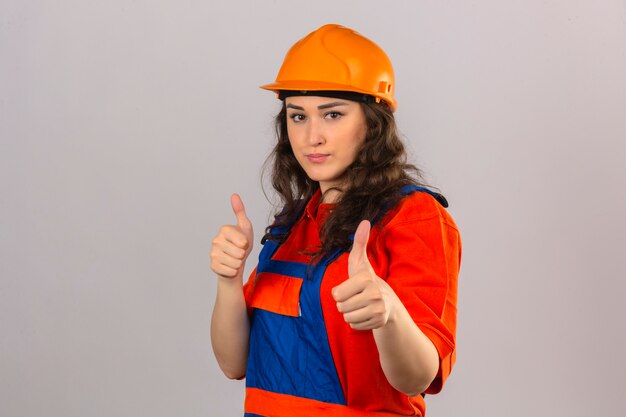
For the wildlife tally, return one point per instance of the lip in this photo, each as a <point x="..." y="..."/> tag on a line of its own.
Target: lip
<point x="317" y="158"/>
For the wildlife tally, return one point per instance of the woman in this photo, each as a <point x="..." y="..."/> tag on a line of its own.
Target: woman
<point x="351" y="310"/>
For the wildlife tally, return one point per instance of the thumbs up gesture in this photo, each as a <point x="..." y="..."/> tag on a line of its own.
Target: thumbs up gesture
<point x="365" y="300"/>
<point x="233" y="243"/>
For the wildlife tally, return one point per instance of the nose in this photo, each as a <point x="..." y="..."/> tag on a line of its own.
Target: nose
<point x="315" y="132"/>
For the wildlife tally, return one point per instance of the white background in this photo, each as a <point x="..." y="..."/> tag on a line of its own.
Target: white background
<point x="125" y="126"/>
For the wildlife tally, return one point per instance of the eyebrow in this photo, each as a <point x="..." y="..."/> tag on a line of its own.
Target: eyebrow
<point x="321" y="107"/>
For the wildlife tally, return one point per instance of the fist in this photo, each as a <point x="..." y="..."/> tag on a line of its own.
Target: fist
<point x="233" y="243"/>
<point x="365" y="300"/>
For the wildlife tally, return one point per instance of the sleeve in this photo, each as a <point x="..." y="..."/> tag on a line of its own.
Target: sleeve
<point x="424" y="259"/>
<point x="248" y="290"/>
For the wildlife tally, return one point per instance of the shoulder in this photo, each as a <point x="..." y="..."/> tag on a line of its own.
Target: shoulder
<point x="414" y="208"/>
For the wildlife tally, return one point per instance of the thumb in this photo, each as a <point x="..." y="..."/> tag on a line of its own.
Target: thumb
<point x="358" y="255"/>
<point x="240" y="212"/>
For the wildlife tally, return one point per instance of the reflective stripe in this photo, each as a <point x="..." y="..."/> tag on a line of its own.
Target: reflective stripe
<point x="271" y="404"/>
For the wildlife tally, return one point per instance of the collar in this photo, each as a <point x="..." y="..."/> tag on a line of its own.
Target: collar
<point x="311" y="207"/>
<point x="317" y="211"/>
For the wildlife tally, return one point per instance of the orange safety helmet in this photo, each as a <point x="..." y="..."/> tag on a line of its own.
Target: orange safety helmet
<point x="336" y="58"/>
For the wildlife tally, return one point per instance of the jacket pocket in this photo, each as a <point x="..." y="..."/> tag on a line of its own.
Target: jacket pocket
<point x="277" y="293"/>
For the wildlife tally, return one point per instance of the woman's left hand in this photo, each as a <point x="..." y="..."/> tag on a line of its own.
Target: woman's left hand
<point x="365" y="300"/>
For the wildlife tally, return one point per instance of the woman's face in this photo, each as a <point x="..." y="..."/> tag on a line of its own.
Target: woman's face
<point x="325" y="135"/>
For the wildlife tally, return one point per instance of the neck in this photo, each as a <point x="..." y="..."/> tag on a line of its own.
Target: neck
<point x="330" y="196"/>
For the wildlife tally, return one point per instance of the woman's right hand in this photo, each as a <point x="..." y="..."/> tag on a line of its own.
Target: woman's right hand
<point x="232" y="245"/>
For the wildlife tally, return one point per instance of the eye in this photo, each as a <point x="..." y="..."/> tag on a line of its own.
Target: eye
<point x="297" y="117"/>
<point x="333" y="115"/>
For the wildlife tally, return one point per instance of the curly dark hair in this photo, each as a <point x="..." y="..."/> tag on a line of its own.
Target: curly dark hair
<point x="373" y="180"/>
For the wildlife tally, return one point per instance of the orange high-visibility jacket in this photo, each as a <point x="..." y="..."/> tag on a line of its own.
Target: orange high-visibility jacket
<point x="305" y="360"/>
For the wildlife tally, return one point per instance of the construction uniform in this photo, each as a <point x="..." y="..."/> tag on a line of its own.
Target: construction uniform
<point x="304" y="359"/>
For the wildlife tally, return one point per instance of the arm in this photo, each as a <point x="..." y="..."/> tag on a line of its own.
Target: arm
<point x="230" y="328"/>
<point x="408" y="358"/>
